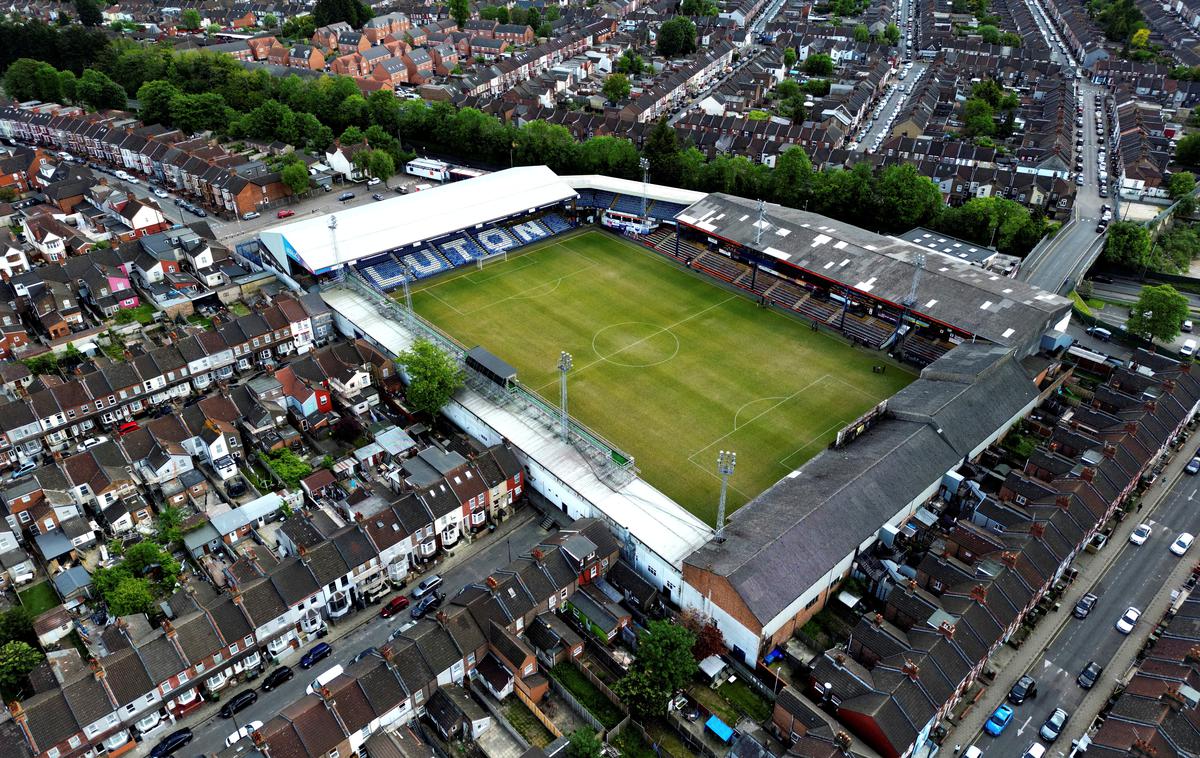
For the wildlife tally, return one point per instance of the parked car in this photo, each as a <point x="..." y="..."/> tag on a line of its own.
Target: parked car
<point x="285" y="213"/>
<point x="376" y="196"/>
<point x="427" y="604"/>
<point x="427" y="585"/>
<point x="1054" y="725"/>
<point x="1139" y="535"/>
<point x="1035" y="750"/>
<point x="346" y="196"/>
<point x="361" y="654"/>
<point x="1193" y="466"/>
<point x="1128" y="620"/>
<point x="28" y="467"/>
<point x="276" y="678"/>
<point x="316" y="654"/>
<point x="1084" y="606"/>
<point x="1182" y="544"/>
<point x="245" y="731"/>
<point x="393" y="606"/>
<point x="250" y="215"/>
<point x="171" y="743"/>
<point x="1024" y="689"/>
<point x="235" y="487"/>
<point x="1188" y="349"/>
<point x="373" y="181"/>
<point x="91" y="442"/>
<point x="160" y="192"/>
<point x="127" y="427"/>
<point x="1100" y="332"/>
<point x="238" y="702"/>
<point x="1090" y="675"/>
<point x="999" y="720"/>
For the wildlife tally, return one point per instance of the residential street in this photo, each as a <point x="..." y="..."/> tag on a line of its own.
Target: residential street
<point x="1121" y="574"/>
<point x="352" y="635"/>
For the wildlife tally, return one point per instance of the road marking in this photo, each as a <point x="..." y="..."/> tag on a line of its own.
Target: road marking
<point x="1022" y="729"/>
<point x="1192" y="495"/>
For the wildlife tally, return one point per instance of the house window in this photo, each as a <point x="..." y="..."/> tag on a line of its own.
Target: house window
<point x="563" y="594"/>
<point x="233" y="648"/>
<point x="812" y="602"/>
<point x="529" y="670"/>
<point x="24" y="517"/>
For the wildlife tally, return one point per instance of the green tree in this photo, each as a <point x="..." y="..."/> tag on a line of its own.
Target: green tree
<point x="1127" y="245"/>
<point x="616" y="87"/>
<point x="433" y="376"/>
<point x="676" y="37"/>
<point x="269" y="21"/>
<point x="155" y="100"/>
<point x="1180" y="184"/>
<point x="1179" y="247"/>
<point x="792" y="179"/>
<point x="17" y="624"/>
<point x="611" y="156"/>
<point x="584" y="743"/>
<point x="1158" y="313"/>
<point x="295" y="177"/>
<point x="862" y="33"/>
<point x="1187" y="150"/>
<point x="17" y="659"/>
<point x="630" y="63"/>
<point x="98" y="91"/>
<point x="199" y="113"/>
<point x="460" y="11"/>
<point x="789" y="57"/>
<point x="662" y="150"/>
<point x="1140" y="38"/>
<point x="905" y="198"/>
<point x="380" y="165"/>
<point x="539" y="142"/>
<point x="88" y="13"/>
<point x="664" y="664"/>
<point x="353" y="12"/>
<point x="289" y="467"/>
<point x="819" y="64"/>
<point x="545" y="30"/>
<point x="892" y="33"/>
<point x="21" y="77"/>
<point x="990" y="34"/>
<point x="190" y="19"/>
<point x="167" y="527"/>
<point x="69" y="86"/>
<point x="979" y="120"/>
<point x="212" y="29"/>
<point x="299" y="27"/>
<point x="698" y="8"/>
<point x="129" y="596"/>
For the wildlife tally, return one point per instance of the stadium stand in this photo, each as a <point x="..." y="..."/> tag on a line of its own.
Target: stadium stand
<point x="460" y="250"/>
<point x="383" y="271"/>
<point x="663" y="209"/>
<point x="556" y="223"/>
<point x="496" y="239"/>
<point x="530" y="231"/>
<point x="425" y="262"/>
<point x="627" y="204"/>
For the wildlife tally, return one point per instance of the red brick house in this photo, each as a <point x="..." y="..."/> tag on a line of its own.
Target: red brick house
<point x="392" y="71"/>
<point x="261" y="45"/>
<point x="515" y="34"/>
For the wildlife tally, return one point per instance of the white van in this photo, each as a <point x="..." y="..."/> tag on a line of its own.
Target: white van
<point x="1188" y="349"/>
<point x="324" y="679"/>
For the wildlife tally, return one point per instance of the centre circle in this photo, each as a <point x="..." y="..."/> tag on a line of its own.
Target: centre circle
<point x="635" y="344"/>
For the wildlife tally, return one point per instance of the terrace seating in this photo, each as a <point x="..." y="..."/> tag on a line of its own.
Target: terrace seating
<point x="787" y="294"/>
<point x="496" y="240"/>
<point x="587" y="199"/>
<point x="818" y="310"/>
<point x="720" y="266"/>
<point x="460" y="250"/>
<point x="922" y="351"/>
<point x="627" y="204"/>
<point x="425" y="262"/>
<point x="383" y="271"/>
<point x="556" y="223"/>
<point x="529" y="231"/>
<point x="601" y="199"/>
<point x="663" y="209"/>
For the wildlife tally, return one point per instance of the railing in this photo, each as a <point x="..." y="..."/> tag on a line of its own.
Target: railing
<point x="579" y="708"/>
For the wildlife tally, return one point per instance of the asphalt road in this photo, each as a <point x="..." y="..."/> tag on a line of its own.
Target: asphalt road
<point x="895" y="100"/>
<point x="1133" y="578"/>
<point x="210" y="733"/>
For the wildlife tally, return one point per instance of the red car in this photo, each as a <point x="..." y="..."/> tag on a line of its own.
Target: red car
<point x="127" y="427"/>
<point x="394" y="606"/>
<point x="285" y="214"/>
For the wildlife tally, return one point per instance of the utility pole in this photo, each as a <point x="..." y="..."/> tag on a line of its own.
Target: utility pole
<point x="726" y="460"/>
<point x="644" y="165"/>
<point x="564" y="366"/>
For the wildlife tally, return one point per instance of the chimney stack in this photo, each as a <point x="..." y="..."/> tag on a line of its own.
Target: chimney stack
<point x="911" y="670"/>
<point x="1038" y="530"/>
<point x="946" y="629"/>
<point x="1063" y="501"/>
<point x="1088" y="473"/>
<point x="979" y="594"/>
<point x="1009" y="558"/>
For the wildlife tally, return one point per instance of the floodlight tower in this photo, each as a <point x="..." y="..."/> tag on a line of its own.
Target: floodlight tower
<point x="726" y="460"/>
<point x="333" y="238"/>
<point x="408" y="272"/>
<point x="564" y="366"/>
<point x="644" y="165"/>
<point x="762" y="222"/>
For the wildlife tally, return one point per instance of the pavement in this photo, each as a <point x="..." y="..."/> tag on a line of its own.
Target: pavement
<point x="1121" y="574"/>
<point x="362" y="629"/>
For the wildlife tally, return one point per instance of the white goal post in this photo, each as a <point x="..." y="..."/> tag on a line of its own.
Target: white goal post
<point x="481" y="262"/>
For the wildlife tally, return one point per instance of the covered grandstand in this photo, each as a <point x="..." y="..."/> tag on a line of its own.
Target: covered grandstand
<point x="622" y="196"/>
<point x="400" y="230"/>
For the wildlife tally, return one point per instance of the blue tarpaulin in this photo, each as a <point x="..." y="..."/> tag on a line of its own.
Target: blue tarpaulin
<point x="719" y="728"/>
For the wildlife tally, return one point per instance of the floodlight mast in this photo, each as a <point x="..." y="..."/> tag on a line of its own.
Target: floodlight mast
<point x="726" y="461"/>
<point x="644" y="165"/>
<point x="564" y="366"/>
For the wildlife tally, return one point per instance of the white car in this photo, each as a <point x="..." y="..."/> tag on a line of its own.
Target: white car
<point x="91" y="442"/>
<point x="1141" y="534"/>
<point x="1127" y="622"/>
<point x="160" y="193"/>
<point x="1182" y="543"/>
<point x="1188" y="349"/>
<point x="373" y="181"/>
<point x="131" y="179"/>
<point x="245" y="731"/>
<point x="121" y="175"/>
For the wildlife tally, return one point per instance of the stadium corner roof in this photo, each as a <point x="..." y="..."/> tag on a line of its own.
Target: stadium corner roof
<point x="374" y="228"/>
<point x="633" y="189"/>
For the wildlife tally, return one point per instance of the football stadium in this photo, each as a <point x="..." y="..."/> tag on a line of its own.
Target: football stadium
<point x="695" y="323"/>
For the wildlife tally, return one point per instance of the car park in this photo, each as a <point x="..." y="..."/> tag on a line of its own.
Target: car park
<point x="238" y="702"/>
<point x="316" y="654"/>
<point x="1024" y="689"/>
<point x="1128" y="620"/>
<point x="1182" y="543"/>
<point x="276" y="678"/>
<point x="1054" y="725"/>
<point x="1142" y="533"/>
<point x="1084" y="606"/>
<point x="172" y="742"/>
<point x="999" y="720"/>
<point x="1090" y="675"/>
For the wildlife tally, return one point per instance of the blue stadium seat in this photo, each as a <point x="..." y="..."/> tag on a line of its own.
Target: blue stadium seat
<point x="496" y="240"/>
<point x="587" y="199"/>
<point x="628" y="204"/>
<point x="460" y="250"/>
<point x="425" y="262"/>
<point x="383" y="271"/>
<point x="556" y="223"/>
<point x="602" y="199"/>
<point x="529" y="231"/>
<point x="663" y="209"/>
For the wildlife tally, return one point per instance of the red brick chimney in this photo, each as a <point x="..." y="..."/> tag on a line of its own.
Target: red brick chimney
<point x="946" y="629"/>
<point x="492" y="583"/>
<point x="979" y="594"/>
<point x="1009" y="558"/>
<point x="1143" y="749"/>
<point x="1192" y="655"/>
<point x="1063" y="501"/>
<point x="843" y="741"/>
<point x="1088" y="473"/>
<point x="1110" y="450"/>
<point x="1038" y="530"/>
<point x="878" y="619"/>
<point x="911" y="670"/>
<point x="1175" y="701"/>
<point x="1151" y="406"/>
<point x="1131" y="427"/>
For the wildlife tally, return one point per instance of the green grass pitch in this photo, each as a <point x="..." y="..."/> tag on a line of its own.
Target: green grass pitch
<point x="668" y="366"/>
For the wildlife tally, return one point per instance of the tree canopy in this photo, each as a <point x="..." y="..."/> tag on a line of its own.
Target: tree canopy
<point x="353" y="12"/>
<point x="433" y="376"/>
<point x="616" y="87"/>
<point x="1158" y="313"/>
<point x="664" y="664"/>
<point x="819" y="64"/>
<point x="676" y="37"/>
<point x="1127" y="245"/>
<point x="88" y="13"/>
